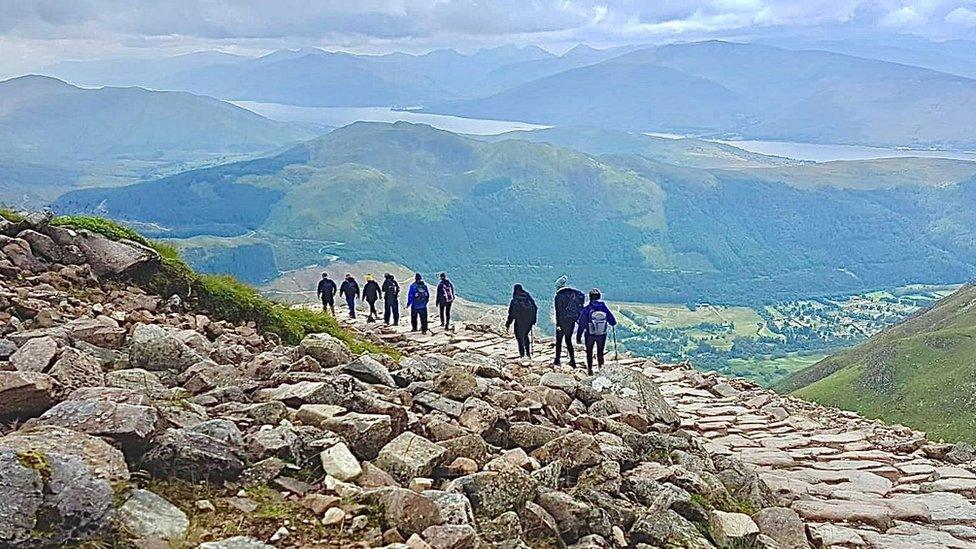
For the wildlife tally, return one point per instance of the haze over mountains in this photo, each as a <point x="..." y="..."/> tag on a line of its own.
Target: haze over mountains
<point x="709" y="88"/>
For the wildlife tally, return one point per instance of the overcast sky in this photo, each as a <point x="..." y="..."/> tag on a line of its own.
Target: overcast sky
<point x="36" y="33"/>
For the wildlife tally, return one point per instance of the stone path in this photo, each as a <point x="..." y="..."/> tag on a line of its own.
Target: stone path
<point x="858" y="482"/>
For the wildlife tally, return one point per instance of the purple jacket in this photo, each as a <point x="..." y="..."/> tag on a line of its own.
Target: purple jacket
<point x="584" y="317"/>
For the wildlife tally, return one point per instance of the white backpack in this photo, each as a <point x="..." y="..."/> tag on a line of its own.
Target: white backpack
<point x="598" y="323"/>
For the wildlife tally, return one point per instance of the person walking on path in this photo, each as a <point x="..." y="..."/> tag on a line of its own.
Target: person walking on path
<point x="391" y="300"/>
<point x="523" y="312"/>
<point x="371" y="293"/>
<point x="350" y="289"/>
<point x="445" y="298"/>
<point x="417" y="298"/>
<point x="326" y="292"/>
<point x="595" y="320"/>
<point x="568" y="304"/>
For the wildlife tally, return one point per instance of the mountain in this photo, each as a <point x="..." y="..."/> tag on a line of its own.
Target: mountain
<point x="49" y="127"/>
<point x="919" y="373"/>
<point x="682" y="152"/>
<point x="759" y="92"/>
<point x="149" y="73"/>
<point x="494" y="213"/>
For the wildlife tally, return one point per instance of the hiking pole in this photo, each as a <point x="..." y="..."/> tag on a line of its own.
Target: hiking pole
<point x="613" y="330"/>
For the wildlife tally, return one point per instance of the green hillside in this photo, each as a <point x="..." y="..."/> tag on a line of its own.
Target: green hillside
<point x="921" y="373"/>
<point x="495" y="213"/>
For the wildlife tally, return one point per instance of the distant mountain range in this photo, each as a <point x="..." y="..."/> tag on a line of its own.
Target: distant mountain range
<point x="710" y="88"/>
<point x="52" y="133"/>
<point x="919" y="373"/>
<point x="742" y="229"/>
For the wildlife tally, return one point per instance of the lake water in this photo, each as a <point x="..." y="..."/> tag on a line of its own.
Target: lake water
<point x="817" y="152"/>
<point x="341" y="116"/>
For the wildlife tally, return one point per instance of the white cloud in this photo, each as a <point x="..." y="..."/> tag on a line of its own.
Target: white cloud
<point x="962" y="16"/>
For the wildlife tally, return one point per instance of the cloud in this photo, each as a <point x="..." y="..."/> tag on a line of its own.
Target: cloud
<point x="962" y="16"/>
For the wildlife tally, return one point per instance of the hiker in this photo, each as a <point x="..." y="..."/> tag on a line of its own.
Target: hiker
<point x="371" y="292"/>
<point x="568" y="304"/>
<point x="391" y="302"/>
<point x="417" y="297"/>
<point x="595" y="321"/>
<point x="522" y="312"/>
<point x="445" y="298"/>
<point x="350" y="289"/>
<point x="327" y="291"/>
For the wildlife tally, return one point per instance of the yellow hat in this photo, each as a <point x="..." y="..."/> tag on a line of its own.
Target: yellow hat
<point x="369" y="276"/>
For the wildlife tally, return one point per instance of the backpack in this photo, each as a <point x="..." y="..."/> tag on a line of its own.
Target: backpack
<point x="421" y="295"/>
<point x="570" y="305"/>
<point x="448" y="293"/>
<point x="598" y="323"/>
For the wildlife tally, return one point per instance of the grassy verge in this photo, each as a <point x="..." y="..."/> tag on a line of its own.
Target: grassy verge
<point x="222" y="296"/>
<point x="10" y="215"/>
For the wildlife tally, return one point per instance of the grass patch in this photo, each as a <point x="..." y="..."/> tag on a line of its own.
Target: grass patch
<point x="11" y="215"/>
<point x="223" y="296"/>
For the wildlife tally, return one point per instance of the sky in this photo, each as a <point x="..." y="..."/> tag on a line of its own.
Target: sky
<point x="38" y="33"/>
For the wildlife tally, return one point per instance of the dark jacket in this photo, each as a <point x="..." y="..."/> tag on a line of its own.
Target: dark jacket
<point x="418" y="295"/>
<point x="568" y="304"/>
<point x="371" y="291"/>
<point x="522" y="309"/>
<point x="584" y="317"/>
<point x="349" y="288"/>
<point x="326" y="289"/>
<point x="442" y="291"/>
<point x="391" y="290"/>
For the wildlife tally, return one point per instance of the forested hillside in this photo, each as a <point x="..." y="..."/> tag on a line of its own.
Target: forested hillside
<point x="496" y="213"/>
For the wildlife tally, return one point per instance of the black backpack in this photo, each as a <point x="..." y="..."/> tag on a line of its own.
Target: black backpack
<point x="569" y="305"/>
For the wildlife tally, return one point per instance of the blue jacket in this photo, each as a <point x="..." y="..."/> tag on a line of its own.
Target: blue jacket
<point x="584" y="317"/>
<point x="412" y="300"/>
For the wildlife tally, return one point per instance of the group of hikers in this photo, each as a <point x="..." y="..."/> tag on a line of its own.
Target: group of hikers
<point x="590" y="321"/>
<point x="418" y="297"/>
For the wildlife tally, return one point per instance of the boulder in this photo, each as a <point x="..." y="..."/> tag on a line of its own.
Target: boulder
<point x="35" y="355"/>
<point x="574" y="450"/>
<point x="137" y="379"/>
<point x="146" y="515"/>
<point x="25" y="394"/>
<point x="101" y="331"/>
<point x="19" y="253"/>
<point x="41" y="245"/>
<point x="456" y="383"/>
<point x="327" y="350"/>
<point x="103" y="459"/>
<point x="7" y="348"/>
<point x="366" y="434"/>
<point x="339" y="462"/>
<point x="451" y="536"/>
<point x="191" y="456"/>
<point x="571" y="515"/>
<point x="224" y="430"/>
<point x="280" y="441"/>
<point x="410" y="455"/>
<point x="368" y="369"/>
<point x="478" y="416"/>
<point x="454" y="507"/>
<point x="207" y="374"/>
<point x="116" y="258"/>
<point x="76" y="369"/>
<point x="157" y="348"/>
<point x="408" y="511"/>
<point x="668" y="529"/>
<point x="634" y="384"/>
<point x="50" y="500"/>
<point x="493" y="492"/>
<point x="130" y="426"/>
<point x="732" y="529"/>
<point x="531" y="436"/>
<point x="784" y="526"/>
<point x="236" y="542"/>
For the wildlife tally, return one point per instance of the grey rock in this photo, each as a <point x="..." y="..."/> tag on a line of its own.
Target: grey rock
<point x="629" y="383"/>
<point x="100" y="331"/>
<point x="280" y="441"/>
<point x="339" y="462"/>
<point x="531" y="436"/>
<point x="146" y="515"/>
<point x="667" y="529"/>
<point x="410" y="455"/>
<point x="104" y="460"/>
<point x="368" y="369"/>
<point x="454" y="507"/>
<point x="456" y="383"/>
<point x="574" y="450"/>
<point x="961" y="452"/>
<point x="451" y="536"/>
<point x="137" y="379"/>
<point x="157" y="348"/>
<point x="732" y="529"/>
<point x="327" y="350"/>
<point x="25" y="394"/>
<point x="478" y="416"/>
<point x="50" y="500"/>
<point x="366" y="434"/>
<point x="224" y="430"/>
<point x="76" y="369"/>
<point x="7" y="348"/>
<point x="116" y="259"/>
<point x="192" y="456"/>
<point x="784" y="526"/>
<point x="35" y="355"/>
<point x="236" y="542"/>
<point x="493" y="492"/>
<point x="41" y="245"/>
<point x="130" y="426"/>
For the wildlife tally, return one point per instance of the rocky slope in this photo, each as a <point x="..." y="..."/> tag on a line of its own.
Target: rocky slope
<point x="131" y="419"/>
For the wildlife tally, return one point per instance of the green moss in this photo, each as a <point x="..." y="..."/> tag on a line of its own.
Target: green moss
<point x="11" y="215"/>
<point x="36" y="460"/>
<point x="100" y="225"/>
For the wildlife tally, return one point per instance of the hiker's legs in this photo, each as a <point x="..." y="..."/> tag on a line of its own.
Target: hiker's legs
<point x="423" y="320"/>
<point x="522" y="337"/>
<point x="414" y="317"/>
<point x="372" y="309"/>
<point x="351" y="301"/>
<point x="564" y="335"/>
<point x="589" y="341"/>
<point x="441" y="307"/>
<point x="447" y="314"/>
<point x="396" y="313"/>
<point x="601" y="344"/>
